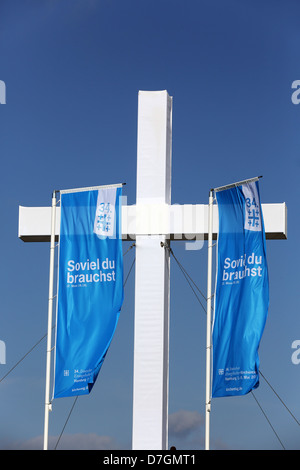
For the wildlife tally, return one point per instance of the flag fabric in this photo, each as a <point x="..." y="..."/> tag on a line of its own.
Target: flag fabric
<point x="242" y="291"/>
<point x="90" y="286"/>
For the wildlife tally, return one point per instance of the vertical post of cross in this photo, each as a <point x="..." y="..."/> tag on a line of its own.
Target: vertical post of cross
<point x="152" y="281"/>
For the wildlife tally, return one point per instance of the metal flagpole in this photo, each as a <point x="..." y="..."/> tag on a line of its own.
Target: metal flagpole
<point x="208" y="319"/>
<point x="50" y="310"/>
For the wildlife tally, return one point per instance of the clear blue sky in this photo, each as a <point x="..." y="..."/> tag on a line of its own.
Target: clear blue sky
<point x="72" y="70"/>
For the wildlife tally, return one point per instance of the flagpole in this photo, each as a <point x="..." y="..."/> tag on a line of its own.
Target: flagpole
<point x="50" y="310"/>
<point x="208" y="320"/>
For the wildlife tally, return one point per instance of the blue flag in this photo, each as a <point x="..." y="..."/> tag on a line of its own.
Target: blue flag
<point x="90" y="287"/>
<point x="242" y="291"/>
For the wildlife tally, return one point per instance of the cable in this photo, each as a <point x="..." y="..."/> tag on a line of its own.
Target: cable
<point x="279" y="397"/>
<point x="185" y="271"/>
<point x="188" y="279"/>
<point x="267" y="420"/>
<point x="74" y="403"/>
<point x="132" y="264"/>
<point x="131" y="246"/>
<point x="130" y="269"/>
<point x="22" y="358"/>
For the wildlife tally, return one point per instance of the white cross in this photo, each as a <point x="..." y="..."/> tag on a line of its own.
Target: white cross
<point x="152" y="222"/>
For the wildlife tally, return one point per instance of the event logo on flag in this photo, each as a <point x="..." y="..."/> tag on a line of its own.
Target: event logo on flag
<point x="90" y="287"/>
<point x="105" y="213"/>
<point x="242" y="291"/>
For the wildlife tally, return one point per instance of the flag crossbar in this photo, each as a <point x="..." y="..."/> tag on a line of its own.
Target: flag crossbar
<point x="90" y="188"/>
<point x="239" y="183"/>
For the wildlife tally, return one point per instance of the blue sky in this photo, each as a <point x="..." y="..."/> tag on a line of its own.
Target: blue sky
<point x="72" y="70"/>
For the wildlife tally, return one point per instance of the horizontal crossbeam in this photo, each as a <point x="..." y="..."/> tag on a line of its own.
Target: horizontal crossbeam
<point x="176" y="222"/>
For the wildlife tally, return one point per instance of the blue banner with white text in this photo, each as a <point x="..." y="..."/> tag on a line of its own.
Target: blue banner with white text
<point x="90" y="286"/>
<point x="242" y="291"/>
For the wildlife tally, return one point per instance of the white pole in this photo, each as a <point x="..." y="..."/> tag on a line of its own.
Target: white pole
<point x="50" y="309"/>
<point x="208" y="320"/>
